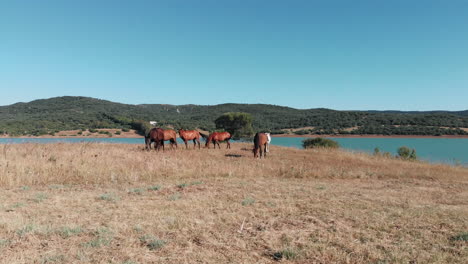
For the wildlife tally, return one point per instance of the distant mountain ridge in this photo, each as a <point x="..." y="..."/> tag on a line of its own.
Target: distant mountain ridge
<point x="76" y="112"/>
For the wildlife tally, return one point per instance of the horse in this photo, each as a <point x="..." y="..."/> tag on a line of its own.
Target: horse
<point x="158" y="136"/>
<point x="187" y="135"/>
<point x="268" y="142"/>
<point x="260" y="143"/>
<point x="216" y="137"/>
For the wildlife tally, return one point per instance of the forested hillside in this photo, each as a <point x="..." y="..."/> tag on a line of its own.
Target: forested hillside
<point x="68" y="113"/>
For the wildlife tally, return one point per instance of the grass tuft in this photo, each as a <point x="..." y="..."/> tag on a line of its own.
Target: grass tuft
<point x="154" y="188"/>
<point x="286" y="253"/>
<point x="460" y="237"/>
<point x="66" y="232"/>
<point x="110" y="197"/>
<point x="151" y="242"/>
<point x="248" y="201"/>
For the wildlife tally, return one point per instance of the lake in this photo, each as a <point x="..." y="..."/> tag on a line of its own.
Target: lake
<point x="445" y="150"/>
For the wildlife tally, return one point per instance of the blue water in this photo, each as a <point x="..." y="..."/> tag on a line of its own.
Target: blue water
<point x="445" y="150"/>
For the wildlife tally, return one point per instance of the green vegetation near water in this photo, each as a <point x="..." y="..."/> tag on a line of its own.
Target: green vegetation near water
<point x="49" y="116"/>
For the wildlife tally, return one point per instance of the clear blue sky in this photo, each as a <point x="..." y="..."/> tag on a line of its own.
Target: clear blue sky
<point x="357" y="55"/>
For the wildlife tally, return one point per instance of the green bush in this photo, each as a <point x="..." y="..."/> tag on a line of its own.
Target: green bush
<point x="319" y="143"/>
<point x="406" y="153"/>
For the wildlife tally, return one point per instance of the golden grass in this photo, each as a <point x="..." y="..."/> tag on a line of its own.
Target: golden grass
<point x="112" y="203"/>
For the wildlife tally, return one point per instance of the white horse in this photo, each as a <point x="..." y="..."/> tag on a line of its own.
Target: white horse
<point x="268" y="142"/>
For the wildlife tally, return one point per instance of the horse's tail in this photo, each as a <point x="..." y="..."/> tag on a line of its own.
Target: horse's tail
<point x="257" y="139"/>
<point x="203" y="135"/>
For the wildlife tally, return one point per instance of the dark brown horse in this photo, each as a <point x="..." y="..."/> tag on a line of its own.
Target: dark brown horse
<point x="260" y="144"/>
<point x="158" y="136"/>
<point x="216" y="137"/>
<point x="187" y="135"/>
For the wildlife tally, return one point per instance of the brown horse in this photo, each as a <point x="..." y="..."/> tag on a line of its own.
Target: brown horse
<point x="187" y="135"/>
<point x="216" y="137"/>
<point x="260" y="143"/>
<point x="158" y="136"/>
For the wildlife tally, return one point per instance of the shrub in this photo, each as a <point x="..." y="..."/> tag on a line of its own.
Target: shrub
<point x="118" y="132"/>
<point x="125" y="130"/>
<point x="406" y="153"/>
<point x="319" y="143"/>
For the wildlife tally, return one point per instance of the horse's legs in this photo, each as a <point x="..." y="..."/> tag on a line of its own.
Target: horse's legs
<point x="265" y="150"/>
<point x="219" y="146"/>
<point x="185" y="141"/>
<point x="228" y="144"/>
<point x="194" y="143"/>
<point x="198" y="141"/>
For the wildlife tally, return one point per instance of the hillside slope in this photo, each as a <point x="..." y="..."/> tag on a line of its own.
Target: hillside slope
<point x="69" y="112"/>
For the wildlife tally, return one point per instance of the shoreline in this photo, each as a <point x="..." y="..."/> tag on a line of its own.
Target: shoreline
<point x="277" y="136"/>
<point x="369" y="136"/>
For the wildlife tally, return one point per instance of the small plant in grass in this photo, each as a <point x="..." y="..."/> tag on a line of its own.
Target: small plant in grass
<point x="152" y="242"/>
<point x="182" y="185"/>
<point x="460" y="237"/>
<point x="248" y="201"/>
<point x="138" y="191"/>
<point x="103" y="237"/>
<point x="154" y="188"/>
<point x="56" y="186"/>
<point x="109" y="197"/>
<point x="40" y="197"/>
<point x="53" y="259"/>
<point x="25" y="230"/>
<point x="196" y="183"/>
<point x="319" y="143"/>
<point x="118" y="132"/>
<point x="66" y="232"/>
<point x="18" y="205"/>
<point x="129" y="262"/>
<point x="125" y="130"/>
<point x="287" y="253"/>
<point x="4" y="242"/>
<point x="25" y="188"/>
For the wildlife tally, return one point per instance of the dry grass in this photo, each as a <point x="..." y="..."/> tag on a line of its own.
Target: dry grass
<point x="110" y="203"/>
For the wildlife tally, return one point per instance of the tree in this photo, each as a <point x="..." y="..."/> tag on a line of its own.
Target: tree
<point x="237" y="123"/>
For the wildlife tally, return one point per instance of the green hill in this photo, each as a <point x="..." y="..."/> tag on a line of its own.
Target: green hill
<point x="68" y="113"/>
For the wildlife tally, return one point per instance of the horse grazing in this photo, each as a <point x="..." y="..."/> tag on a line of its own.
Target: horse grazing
<point x="260" y="143"/>
<point x="158" y="136"/>
<point x="216" y="137"/>
<point x="187" y="135"/>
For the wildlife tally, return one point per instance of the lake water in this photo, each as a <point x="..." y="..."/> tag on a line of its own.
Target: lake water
<point x="446" y="150"/>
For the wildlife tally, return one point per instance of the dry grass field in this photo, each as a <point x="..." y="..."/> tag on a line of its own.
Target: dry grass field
<point x="112" y="203"/>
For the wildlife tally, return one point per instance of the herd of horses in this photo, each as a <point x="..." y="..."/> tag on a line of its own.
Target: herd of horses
<point x="158" y="136"/>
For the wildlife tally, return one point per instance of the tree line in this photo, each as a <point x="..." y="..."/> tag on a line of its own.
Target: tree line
<point x="70" y="113"/>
